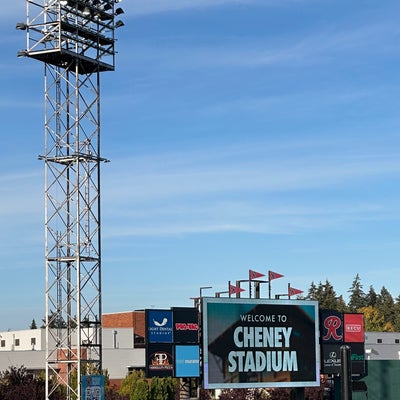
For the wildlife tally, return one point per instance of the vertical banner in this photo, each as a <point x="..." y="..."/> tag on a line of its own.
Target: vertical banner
<point x="159" y="326"/>
<point x="159" y="360"/>
<point x="250" y="343"/>
<point x="93" y="387"/>
<point x="186" y="325"/>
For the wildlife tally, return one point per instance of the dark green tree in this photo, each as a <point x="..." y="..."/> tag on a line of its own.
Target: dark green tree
<point x="33" y="325"/>
<point x="397" y="314"/>
<point x="326" y="296"/>
<point x="312" y="292"/>
<point x="170" y="387"/>
<point x="156" y="389"/>
<point x="371" y="297"/>
<point x="385" y="305"/>
<point x="357" y="295"/>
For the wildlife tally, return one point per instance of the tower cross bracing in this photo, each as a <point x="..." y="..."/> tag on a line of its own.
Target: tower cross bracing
<point x="74" y="39"/>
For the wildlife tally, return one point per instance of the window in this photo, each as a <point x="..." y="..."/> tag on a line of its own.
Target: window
<point x="397" y="341"/>
<point x="378" y="340"/>
<point x="3" y="343"/>
<point x="33" y="341"/>
<point x="17" y="342"/>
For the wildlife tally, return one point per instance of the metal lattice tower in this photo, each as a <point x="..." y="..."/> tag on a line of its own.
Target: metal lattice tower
<point x="75" y="41"/>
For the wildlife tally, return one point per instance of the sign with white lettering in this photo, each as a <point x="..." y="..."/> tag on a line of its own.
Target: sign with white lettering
<point x="251" y="343"/>
<point x="159" y="326"/>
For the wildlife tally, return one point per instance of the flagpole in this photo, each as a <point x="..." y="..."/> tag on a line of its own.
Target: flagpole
<point x="288" y="290"/>
<point x="269" y="285"/>
<point x="249" y="286"/>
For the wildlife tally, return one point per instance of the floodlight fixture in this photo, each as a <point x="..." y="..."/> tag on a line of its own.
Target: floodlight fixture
<point x="119" y="11"/>
<point x="107" y="7"/>
<point x="118" y="24"/>
<point x="21" y="53"/>
<point x="64" y="2"/>
<point x="21" y="26"/>
<point x="86" y="11"/>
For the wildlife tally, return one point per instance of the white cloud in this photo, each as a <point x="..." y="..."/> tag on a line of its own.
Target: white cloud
<point x="184" y="174"/>
<point x="192" y="192"/>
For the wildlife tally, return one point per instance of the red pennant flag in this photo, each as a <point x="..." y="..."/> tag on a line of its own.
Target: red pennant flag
<point x="273" y="275"/>
<point x="293" y="291"/>
<point x="254" y="274"/>
<point x="235" y="289"/>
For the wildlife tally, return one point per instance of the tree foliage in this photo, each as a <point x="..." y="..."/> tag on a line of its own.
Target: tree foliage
<point x="18" y="384"/>
<point x="357" y="297"/>
<point x="381" y="311"/>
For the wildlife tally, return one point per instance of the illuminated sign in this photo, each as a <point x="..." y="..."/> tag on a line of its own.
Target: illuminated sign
<point x="260" y="343"/>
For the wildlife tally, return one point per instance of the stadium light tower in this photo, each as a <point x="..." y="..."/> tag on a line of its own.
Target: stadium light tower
<point x="74" y="39"/>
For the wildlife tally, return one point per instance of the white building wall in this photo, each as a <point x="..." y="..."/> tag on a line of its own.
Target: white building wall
<point x="31" y="339"/>
<point x="27" y="348"/>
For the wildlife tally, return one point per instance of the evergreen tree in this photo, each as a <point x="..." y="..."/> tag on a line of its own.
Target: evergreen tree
<point x="312" y="292"/>
<point x="397" y="314"/>
<point x="385" y="305"/>
<point x="33" y="325"/>
<point x="371" y="297"/>
<point x="326" y="296"/>
<point x="357" y="295"/>
<point x="140" y="390"/>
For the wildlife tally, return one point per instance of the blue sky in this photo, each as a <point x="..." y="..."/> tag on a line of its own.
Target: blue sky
<point x="259" y="134"/>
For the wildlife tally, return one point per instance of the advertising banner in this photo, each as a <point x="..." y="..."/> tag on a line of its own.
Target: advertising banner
<point x="93" y="387"/>
<point x="186" y="325"/>
<point x="331" y="362"/>
<point x="353" y="328"/>
<point x="338" y="329"/>
<point x="187" y="361"/>
<point x="159" y="326"/>
<point x="357" y="358"/>
<point x="331" y="326"/>
<point x="159" y="360"/>
<point x="251" y="343"/>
